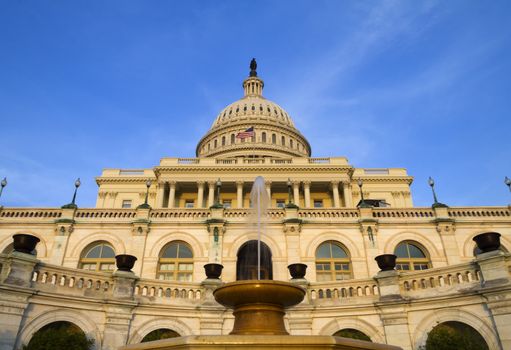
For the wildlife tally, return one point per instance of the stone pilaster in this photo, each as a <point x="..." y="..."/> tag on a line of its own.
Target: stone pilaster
<point x="307" y="193"/>
<point x="395" y="323"/>
<point x="335" y="193"/>
<point x="117" y="326"/>
<point x="216" y="230"/>
<point x="292" y="226"/>
<point x="139" y="230"/>
<point x="63" y="229"/>
<point x="446" y="228"/>
<point x="12" y="308"/>
<point x="211" y="319"/>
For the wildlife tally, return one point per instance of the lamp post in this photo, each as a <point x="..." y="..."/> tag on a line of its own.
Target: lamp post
<point x="4" y="183"/>
<point x="73" y="205"/>
<point x="507" y="181"/>
<point x="436" y="203"/>
<point x="146" y="205"/>
<point x="362" y="203"/>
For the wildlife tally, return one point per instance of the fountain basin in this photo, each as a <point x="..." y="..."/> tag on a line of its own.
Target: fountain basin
<point x="259" y="305"/>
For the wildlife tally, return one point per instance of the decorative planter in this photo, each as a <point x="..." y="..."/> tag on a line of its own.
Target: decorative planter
<point x="488" y="241"/>
<point x="213" y="270"/>
<point x="386" y="262"/>
<point x="24" y="243"/>
<point x="297" y="270"/>
<point x="125" y="262"/>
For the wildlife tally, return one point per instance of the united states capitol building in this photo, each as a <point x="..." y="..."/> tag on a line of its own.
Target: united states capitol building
<point x="187" y="212"/>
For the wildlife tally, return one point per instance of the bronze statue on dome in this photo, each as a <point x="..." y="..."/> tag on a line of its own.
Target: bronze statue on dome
<point x="253" y="67"/>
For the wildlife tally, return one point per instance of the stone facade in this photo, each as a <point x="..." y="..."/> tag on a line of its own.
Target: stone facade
<point x="394" y="307"/>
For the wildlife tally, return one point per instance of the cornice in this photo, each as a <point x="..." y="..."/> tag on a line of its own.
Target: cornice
<point x="101" y="180"/>
<point x="251" y="168"/>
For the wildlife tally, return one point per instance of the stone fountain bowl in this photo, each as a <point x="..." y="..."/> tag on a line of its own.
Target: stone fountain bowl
<point x="259" y="304"/>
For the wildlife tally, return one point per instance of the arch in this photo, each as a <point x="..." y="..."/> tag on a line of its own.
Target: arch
<point x="115" y="241"/>
<point x="147" y="327"/>
<point x="269" y="241"/>
<point x="246" y="261"/>
<point x="333" y="262"/>
<point x="97" y="256"/>
<point x="344" y="239"/>
<point x="233" y="139"/>
<point x="411" y="255"/>
<point x="435" y="317"/>
<point x="354" y="323"/>
<point x="80" y="319"/>
<point x="177" y="236"/>
<point x="469" y="244"/>
<point x="263" y="136"/>
<point x="41" y="247"/>
<point x="397" y="238"/>
<point x="175" y="262"/>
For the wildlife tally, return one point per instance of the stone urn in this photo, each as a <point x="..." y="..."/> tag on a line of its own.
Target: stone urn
<point x="213" y="270"/>
<point x="125" y="262"/>
<point x="24" y="243"/>
<point x="386" y="262"/>
<point x="297" y="270"/>
<point x="488" y="241"/>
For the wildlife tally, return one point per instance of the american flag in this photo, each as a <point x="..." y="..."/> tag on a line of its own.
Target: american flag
<point x="246" y="134"/>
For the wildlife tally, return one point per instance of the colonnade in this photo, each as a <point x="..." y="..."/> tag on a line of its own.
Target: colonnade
<point x="301" y="190"/>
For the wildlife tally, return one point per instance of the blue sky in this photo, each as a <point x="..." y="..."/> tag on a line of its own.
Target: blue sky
<point x="87" y="85"/>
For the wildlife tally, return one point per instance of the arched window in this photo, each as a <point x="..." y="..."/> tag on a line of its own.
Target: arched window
<point x="246" y="265"/>
<point x="158" y="334"/>
<point x="291" y="143"/>
<point x="273" y="138"/>
<point x="223" y="140"/>
<point x="233" y="138"/>
<point x="263" y="137"/>
<point x="99" y="256"/>
<point x="411" y="256"/>
<point x="215" y="143"/>
<point x="352" y="334"/>
<point x="176" y="262"/>
<point x="332" y="262"/>
<point x="283" y="141"/>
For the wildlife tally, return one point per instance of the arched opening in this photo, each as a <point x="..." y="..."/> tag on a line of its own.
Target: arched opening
<point x="352" y="334"/>
<point x="158" y="334"/>
<point x="98" y="256"/>
<point x="176" y="262"/>
<point x="411" y="256"/>
<point x="223" y="140"/>
<point x="233" y="138"/>
<point x="246" y="265"/>
<point x="332" y="262"/>
<point x="273" y="138"/>
<point x="455" y="335"/>
<point x="263" y="136"/>
<point x="59" y="335"/>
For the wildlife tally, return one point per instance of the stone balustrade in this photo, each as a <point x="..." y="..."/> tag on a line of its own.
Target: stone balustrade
<point x="364" y="290"/>
<point x="30" y="213"/>
<point x="148" y="290"/>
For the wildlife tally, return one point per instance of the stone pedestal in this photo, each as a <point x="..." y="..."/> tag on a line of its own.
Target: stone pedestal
<point x="259" y="342"/>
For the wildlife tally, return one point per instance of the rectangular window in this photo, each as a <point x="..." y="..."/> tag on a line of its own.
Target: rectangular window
<point x="281" y="203"/>
<point x="189" y="203"/>
<point x="227" y="203"/>
<point x="318" y="203"/>
<point x="126" y="204"/>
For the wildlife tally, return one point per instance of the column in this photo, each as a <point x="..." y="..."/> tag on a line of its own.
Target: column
<point x="161" y="194"/>
<point x="307" y="193"/>
<point x="268" y="189"/>
<point x="172" y="194"/>
<point x="296" y="192"/>
<point x="346" y="191"/>
<point x="211" y="193"/>
<point x="239" y="193"/>
<point x="335" y="191"/>
<point x="200" y="194"/>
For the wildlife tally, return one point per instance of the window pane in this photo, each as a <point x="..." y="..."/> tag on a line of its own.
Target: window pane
<point x="185" y="267"/>
<point x="94" y="252"/>
<point x="90" y="267"/>
<point x="107" y="267"/>
<point x="401" y="251"/>
<point x="338" y="252"/>
<point x="404" y="267"/>
<point x="170" y="251"/>
<point x="322" y="277"/>
<point x="415" y="252"/>
<point x="323" y="251"/>
<point x="185" y="252"/>
<point x="420" y="266"/>
<point x="107" y="252"/>
<point x="185" y="277"/>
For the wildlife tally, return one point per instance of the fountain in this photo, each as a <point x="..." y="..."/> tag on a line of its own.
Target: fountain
<point x="259" y="309"/>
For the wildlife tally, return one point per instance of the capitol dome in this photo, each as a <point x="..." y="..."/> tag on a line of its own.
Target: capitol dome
<point x="274" y="133"/>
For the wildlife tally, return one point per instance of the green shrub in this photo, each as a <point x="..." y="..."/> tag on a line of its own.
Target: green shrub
<point x="455" y="336"/>
<point x="59" y="336"/>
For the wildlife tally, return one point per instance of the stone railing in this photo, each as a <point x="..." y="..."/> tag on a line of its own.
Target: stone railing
<point x="63" y="280"/>
<point x="480" y="212"/>
<point x="105" y="214"/>
<point x="180" y="213"/>
<point x="324" y="213"/>
<point x="366" y="290"/>
<point x="438" y="279"/>
<point x="148" y="289"/>
<point x="403" y="213"/>
<point x="30" y="213"/>
<point x="271" y="214"/>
